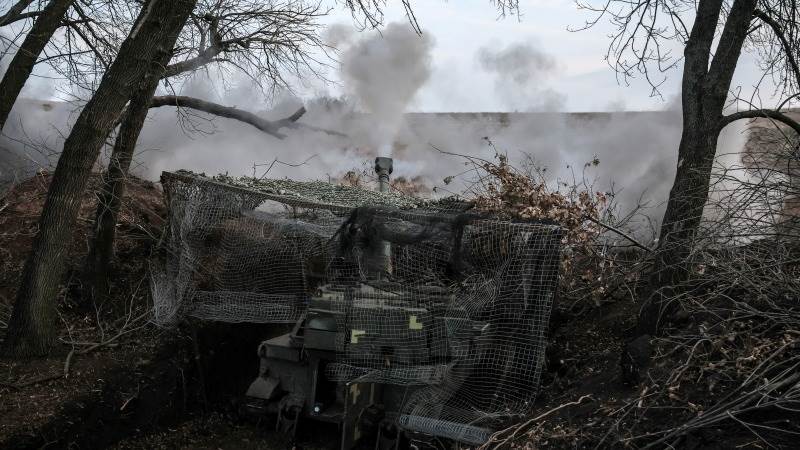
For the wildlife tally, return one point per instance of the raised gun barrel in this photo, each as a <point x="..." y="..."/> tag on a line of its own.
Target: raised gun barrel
<point x="383" y="168"/>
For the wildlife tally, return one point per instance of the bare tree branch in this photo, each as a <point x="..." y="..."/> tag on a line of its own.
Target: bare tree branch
<point x="216" y="109"/>
<point x="787" y="48"/>
<point x="23" y="16"/>
<point x="267" y="41"/>
<point x="205" y="56"/>
<point x="625" y="235"/>
<point x="15" y="13"/>
<point x="761" y="113"/>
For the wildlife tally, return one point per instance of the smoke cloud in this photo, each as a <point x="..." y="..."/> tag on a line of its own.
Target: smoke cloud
<point x="339" y="35"/>
<point x="383" y="73"/>
<point x="520" y="63"/>
<point x="33" y="133"/>
<point x="519" y="70"/>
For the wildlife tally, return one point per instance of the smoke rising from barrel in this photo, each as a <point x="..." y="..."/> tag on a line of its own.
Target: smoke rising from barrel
<point x="382" y="73"/>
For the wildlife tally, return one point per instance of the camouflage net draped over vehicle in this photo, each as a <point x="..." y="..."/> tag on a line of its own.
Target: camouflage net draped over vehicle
<point x="427" y="295"/>
<point x="240" y="250"/>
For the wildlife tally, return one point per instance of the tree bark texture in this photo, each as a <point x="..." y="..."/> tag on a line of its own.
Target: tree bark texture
<point x="31" y="329"/>
<point x="22" y="64"/>
<point x="112" y="190"/>
<point x="704" y="91"/>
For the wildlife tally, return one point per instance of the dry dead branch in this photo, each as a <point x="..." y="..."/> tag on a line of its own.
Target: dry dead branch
<point x="509" y="434"/>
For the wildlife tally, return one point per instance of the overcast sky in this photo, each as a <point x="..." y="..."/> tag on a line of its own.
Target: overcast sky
<point x="581" y="77"/>
<point x="578" y="80"/>
<point x="467" y="60"/>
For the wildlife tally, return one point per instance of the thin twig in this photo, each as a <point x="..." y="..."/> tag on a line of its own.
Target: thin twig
<point x="519" y="428"/>
<point x="621" y="233"/>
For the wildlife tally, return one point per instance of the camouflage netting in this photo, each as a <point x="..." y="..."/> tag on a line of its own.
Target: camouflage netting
<point x="451" y="304"/>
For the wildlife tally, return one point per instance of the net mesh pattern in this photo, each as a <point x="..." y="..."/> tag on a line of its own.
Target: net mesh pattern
<point x="449" y="306"/>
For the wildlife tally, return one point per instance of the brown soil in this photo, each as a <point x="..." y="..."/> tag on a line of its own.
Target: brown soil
<point x="33" y="392"/>
<point x="140" y="221"/>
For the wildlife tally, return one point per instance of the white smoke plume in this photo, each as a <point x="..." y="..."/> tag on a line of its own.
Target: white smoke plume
<point x="520" y="70"/>
<point x="521" y="63"/>
<point x="383" y="73"/>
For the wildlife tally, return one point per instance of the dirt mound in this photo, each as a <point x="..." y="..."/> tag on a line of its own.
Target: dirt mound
<point x="139" y="223"/>
<point x="33" y="392"/>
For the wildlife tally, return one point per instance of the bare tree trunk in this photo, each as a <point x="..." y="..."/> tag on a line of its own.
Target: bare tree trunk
<point x="704" y="92"/>
<point x="109" y="197"/>
<point x="687" y="199"/>
<point x="31" y="329"/>
<point x="14" y="12"/>
<point x="22" y="64"/>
